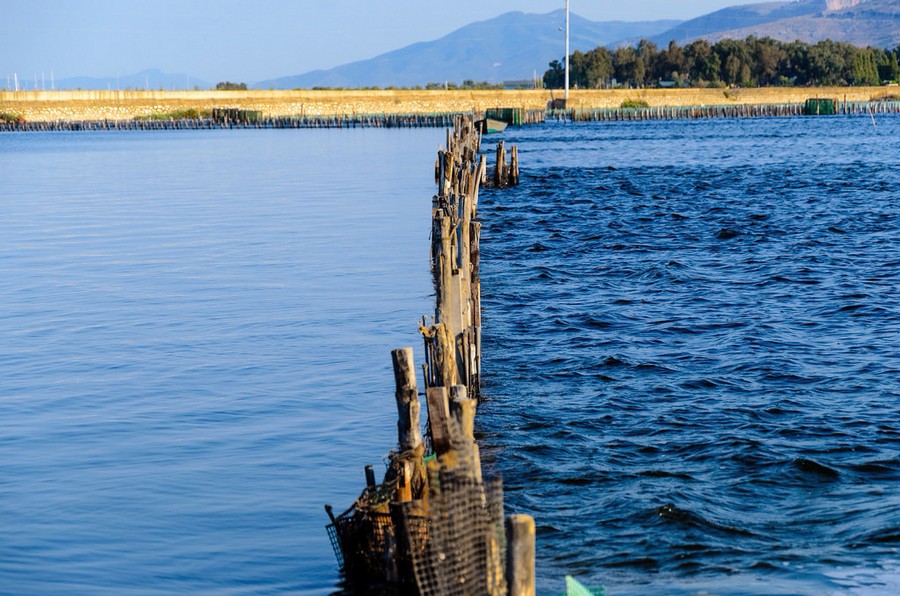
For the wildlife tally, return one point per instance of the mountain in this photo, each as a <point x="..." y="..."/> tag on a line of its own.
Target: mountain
<point x="152" y="80"/>
<point x="512" y="46"/>
<point x="737" y="17"/>
<point x="860" y="22"/>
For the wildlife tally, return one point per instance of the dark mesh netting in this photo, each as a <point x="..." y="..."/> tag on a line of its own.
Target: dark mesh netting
<point x="451" y="544"/>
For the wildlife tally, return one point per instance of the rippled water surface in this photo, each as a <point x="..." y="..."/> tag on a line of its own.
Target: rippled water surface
<point x="692" y="353"/>
<point x="194" y="350"/>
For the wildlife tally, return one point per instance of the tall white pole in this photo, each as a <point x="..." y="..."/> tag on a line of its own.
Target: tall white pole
<point x="567" y="50"/>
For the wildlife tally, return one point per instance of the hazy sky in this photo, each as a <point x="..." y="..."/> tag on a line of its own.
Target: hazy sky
<point x="250" y="41"/>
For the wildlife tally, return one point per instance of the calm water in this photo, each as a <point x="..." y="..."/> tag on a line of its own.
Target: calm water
<point x="196" y="332"/>
<point x="692" y="344"/>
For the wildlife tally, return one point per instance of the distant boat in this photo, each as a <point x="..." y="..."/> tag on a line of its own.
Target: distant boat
<point x="489" y="125"/>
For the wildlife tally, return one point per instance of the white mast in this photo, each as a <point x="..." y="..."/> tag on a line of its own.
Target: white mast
<point x="567" y="50"/>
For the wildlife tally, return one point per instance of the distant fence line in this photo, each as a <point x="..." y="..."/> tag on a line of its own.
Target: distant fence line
<point x="516" y="116"/>
<point x="716" y="111"/>
<point x="442" y="120"/>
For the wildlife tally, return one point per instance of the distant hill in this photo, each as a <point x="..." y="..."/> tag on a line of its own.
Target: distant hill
<point x="512" y="46"/>
<point x="151" y="80"/>
<point x="737" y="17"/>
<point x="860" y="22"/>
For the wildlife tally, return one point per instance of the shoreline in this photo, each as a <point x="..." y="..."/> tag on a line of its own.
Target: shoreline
<point x="50" y="106"/>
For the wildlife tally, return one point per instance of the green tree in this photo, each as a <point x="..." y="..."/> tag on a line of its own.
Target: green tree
<point x="555" y="77"/>
<point x="578" y="70"/>
<point x="625" y="62"/>
<point x="734" y="56"/>
<point x="748" y="62"/>
<point x="768" y="55"/>
<point x="703" y="64"/>
<point x="647" y="55"/>
<point x="864" y="70"/>
<point x="672" y="63"/>
<point x="229" y="86"/>
<point x="888" y="65"/>
<point x="598" y="68"/>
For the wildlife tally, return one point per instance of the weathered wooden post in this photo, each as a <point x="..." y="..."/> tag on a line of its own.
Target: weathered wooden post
<point x="463" y="410"/>
<point x="409" y="433"/>
<point x="500" y="172"/>
<point x="438" y="418"/>
<point x="514" y="166"/>
<point x="520" y="548"/>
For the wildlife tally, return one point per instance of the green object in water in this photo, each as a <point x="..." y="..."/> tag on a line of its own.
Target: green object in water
<point x="575" y="588"/>
<point x="819" y="107"/>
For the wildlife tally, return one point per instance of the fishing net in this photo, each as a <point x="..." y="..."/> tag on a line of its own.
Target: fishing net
<point x="452" y="542"/>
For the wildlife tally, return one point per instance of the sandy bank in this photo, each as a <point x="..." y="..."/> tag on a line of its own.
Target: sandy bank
<point x="124" y="105"/>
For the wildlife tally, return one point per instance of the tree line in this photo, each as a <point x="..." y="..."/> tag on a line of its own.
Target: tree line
<point x="752" y="62"/>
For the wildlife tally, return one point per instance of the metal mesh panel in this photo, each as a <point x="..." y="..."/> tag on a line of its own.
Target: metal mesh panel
<point x="465" y="547"/>
<point x="335" y="544"/>
<point x="458" y="549"/>
<point x="367" y="547"/>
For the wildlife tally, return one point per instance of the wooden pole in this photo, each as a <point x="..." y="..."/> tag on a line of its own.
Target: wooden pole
<point x="438" y="414"/>
<point x="500" y="172"/>
<point x="514" y="166"/>
<point x="409" y="433"/>
<point x="520" y="549"/>
<point x="463" y="410"/>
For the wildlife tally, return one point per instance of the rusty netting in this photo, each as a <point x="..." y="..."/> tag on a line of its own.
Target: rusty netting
<point x="465" y="547"/>
<point x="452" y="544"/>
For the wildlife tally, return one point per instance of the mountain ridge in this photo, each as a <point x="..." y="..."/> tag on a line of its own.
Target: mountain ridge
<point x="490" y="50"/>
<point x="151" y="79"/>
<point x="493" y="50"/>
<point x="859" y="22"/>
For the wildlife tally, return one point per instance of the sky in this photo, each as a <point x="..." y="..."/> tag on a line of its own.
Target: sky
<point x="251" y="41"/>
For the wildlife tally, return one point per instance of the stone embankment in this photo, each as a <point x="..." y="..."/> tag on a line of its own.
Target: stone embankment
<point x="45" y="106"/>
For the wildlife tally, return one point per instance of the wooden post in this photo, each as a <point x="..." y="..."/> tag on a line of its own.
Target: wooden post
<point x="500" y="172"/>
<point x="409" y="433"/>
<point x="404" y="485"/>
<point x="514" y="166"/>
<point x="463" y="410"/>
<point x="438" y="415"/>
<point x="520" y="549"/>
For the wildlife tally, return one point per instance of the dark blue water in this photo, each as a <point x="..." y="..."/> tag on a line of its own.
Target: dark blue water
<point x="195" y="336"/>
<point x="692" y="353"/>
<point x="691" y="335"/>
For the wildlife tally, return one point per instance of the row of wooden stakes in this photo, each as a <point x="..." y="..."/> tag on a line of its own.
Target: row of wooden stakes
<point x="435" y="525"/>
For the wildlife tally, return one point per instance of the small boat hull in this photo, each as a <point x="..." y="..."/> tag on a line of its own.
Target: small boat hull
<point x="489" y="125"/>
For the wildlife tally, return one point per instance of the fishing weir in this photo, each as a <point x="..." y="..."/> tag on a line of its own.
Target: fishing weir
<point x="226" y="118"/>
<point x="809" y="108"/>
<point x="435" y="524"/>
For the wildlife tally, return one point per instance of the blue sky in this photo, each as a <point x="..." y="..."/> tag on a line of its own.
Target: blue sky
<point x="245" y="41"/>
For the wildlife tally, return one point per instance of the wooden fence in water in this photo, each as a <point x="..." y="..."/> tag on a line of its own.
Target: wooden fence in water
<point x="238" y="119"/>
<point x="715" y="111"/>
<point x="435" y="525"/>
